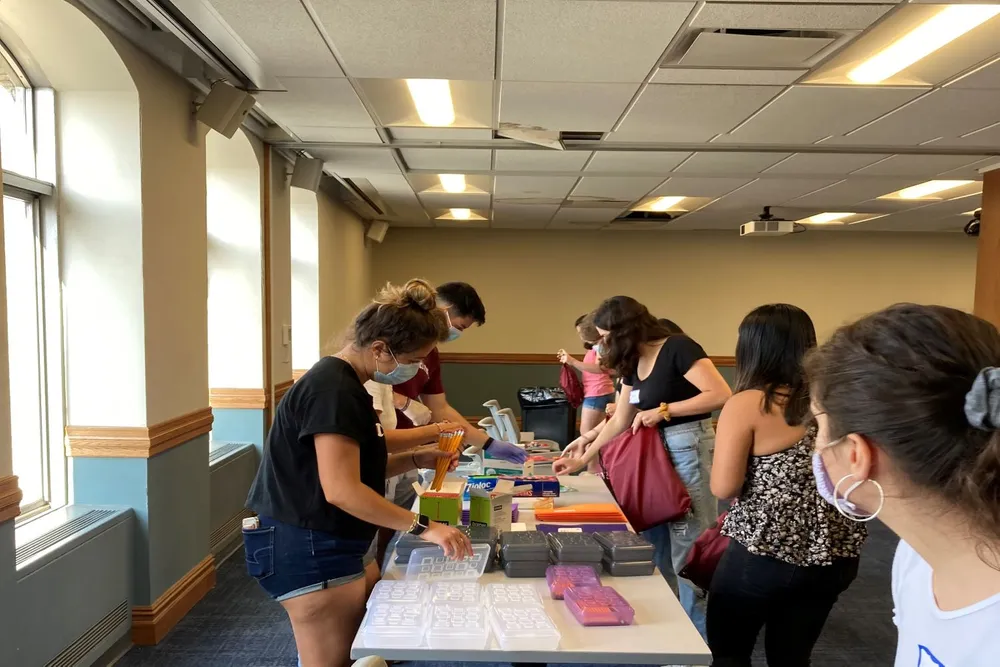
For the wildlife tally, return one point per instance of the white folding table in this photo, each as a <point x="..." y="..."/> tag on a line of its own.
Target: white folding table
<point x="661" y="635"/>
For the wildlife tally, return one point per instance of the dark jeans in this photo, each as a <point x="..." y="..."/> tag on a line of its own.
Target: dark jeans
<point x="791" y="602"/>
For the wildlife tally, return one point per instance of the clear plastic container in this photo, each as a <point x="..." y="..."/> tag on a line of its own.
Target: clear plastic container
<point x="524" y="545"/>
<point x="625" y="547"/>
<point x="562" y="577"/>
<point x="399" y="592"/>
<point x="598" y="605"/>
<point x="512" y="594"/>
<point x="523" y="628"/>
<point x="431" y="564"/>
<point x="458" y="626"/>
<point x="458" y="592"/>
<point x="392" y="625"/>
<point x="637" y="569"/>
<point x="575" y="548"/>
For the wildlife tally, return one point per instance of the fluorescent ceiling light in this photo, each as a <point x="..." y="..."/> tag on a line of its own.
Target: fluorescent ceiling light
<point x="452" y="182"/>
<point x="929" y="188"/>
<point x="665" y="203"/>
<point x="432" y="97"/>
<point x="826" y="218"/>
<point x="945" y="26"/>
<point x="461" y="213"/>
<point x="971" y="212"/>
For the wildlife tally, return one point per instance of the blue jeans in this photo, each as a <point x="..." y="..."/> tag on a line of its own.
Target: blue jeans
<point x="599" y="403"/>
<point x="690" y="447"/>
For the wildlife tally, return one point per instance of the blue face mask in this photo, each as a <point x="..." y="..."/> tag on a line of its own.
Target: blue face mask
<point x="599" y="349"/>
<point x="453" y="334"/>
<point x="398" y="375"/>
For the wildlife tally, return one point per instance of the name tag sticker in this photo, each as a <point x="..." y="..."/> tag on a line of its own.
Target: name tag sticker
<point x="633" y="397"/>
<point x="571" y="530"/>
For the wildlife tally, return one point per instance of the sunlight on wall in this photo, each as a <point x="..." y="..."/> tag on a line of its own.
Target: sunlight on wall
<point x="305" y="279"/>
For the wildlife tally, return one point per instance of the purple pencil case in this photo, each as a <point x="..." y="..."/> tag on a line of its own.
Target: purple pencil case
<point x="561" y="578"/>
<point x="598" y="605"/>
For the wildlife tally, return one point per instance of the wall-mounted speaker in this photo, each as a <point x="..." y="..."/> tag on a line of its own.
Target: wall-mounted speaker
<point x="225" y="108"/>
<point x="377" y="230"/>
<point x="307" y="173"/>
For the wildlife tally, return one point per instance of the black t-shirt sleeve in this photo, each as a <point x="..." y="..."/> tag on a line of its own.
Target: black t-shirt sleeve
<point x="337" y="412"/>
<point x="685" y="353"/>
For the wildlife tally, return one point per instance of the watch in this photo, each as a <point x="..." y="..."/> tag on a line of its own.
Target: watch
<point x="422" y="523"/>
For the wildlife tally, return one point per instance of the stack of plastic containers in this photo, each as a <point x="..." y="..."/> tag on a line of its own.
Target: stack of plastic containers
<point x="457" y="617"/>
<point x="576" y="549"/>
<point x="430" y="564"/>
<point x="397" y="614"/>
<point x="560" y="578"/>
<point x="479" y="535"/>
<point x="524" y="553"/>
<point x="598" y="605"/>
<point x="626" y="554"/>
<point x="518" y="618"/>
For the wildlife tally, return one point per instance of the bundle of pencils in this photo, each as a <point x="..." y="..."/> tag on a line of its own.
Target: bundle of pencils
<point x="448" y="441"/>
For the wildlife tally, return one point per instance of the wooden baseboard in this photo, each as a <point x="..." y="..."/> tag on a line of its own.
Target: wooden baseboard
<point x="530" y="359"/>
<point x="151" y="623"/>
<point x="237" y="398"/>
<point x="10" y="498"/>
<point x="140" y="442"/>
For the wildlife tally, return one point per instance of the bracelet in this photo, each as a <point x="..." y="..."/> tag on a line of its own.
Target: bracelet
<point x="406" y="405"/>
<point x="665" y="411"/>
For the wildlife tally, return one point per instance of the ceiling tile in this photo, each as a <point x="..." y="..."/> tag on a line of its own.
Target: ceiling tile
<point x="522" y="216"/>
<point x="853" y="191"/>
<point x="581" y="107"/>
<point x="811" y="164"/>
<point x="366" y="135"/>
<point x="639" y="162"/>
<point x="392" y="103"/>
<point x="730" y="163"/>
<point x="579" y="214"/>
<point x="540" y="160"/>
<point x="987" y="76"/>
<point x="446" y="200"/>
<point x="350" y="162"/>
<point x="316" y="103"/>
<point x="690" y="113"/>
<point x="609" y="41"/>
<point x="533" y="189"/>
<point x="714" y="49"/>
<point x="615" y="188"/>
<point x="807" y="114"/>
<point x="447" y="160"/>
<point x="920" y="166"/>
<point x="679" y="186"/>
<point x="281" y="35"/>
<point x="429" y="39"/>
<point x="734" y="77"/>
<point x="769" y="192"/>
<point x="440" y="134"/>
<point x="772" y="16"/>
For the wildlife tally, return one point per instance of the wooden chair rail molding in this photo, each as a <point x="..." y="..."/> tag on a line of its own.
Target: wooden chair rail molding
<point x="151" y="623"/>
<point x="297" y="373"/>
<point x="240" y="399"/>
<point x="10" y="498"/>
<point x="136" y="442"/>
<point x="281" y="389"/>
<point x="529" y="359"/>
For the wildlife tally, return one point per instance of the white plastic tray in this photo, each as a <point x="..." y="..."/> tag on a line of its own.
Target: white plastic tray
<point x="523" y="628"/>
<point x="458" y="626"/>
<point x="395" y="625"/>
<point x="400" y="592"/>
<point x="512" y="594"/>
<point x="458" y="592"/>
<point x="431" y="564"/>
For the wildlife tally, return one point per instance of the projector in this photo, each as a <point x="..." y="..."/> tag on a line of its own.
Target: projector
<point x="767" y="228"/>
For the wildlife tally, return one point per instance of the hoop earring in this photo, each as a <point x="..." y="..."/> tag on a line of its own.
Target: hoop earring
<point x="848" y="515"/>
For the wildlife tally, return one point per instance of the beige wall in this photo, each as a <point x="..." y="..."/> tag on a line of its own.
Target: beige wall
<point x="344" y="270"/>
<point x="305" y="279"/>
<point x="280" y="268"/>
<point x="535" y="284"/>
<point x="6" y="464"/>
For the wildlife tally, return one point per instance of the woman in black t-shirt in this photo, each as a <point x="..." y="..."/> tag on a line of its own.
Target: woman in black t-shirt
<point x="319" y="490"/>
<point x="669" y="382"/>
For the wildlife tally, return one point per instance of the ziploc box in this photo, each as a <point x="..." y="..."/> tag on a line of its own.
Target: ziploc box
<point x="538" y="487"/>
<point x="445" y="504"/>
<point x="493" y="507"/>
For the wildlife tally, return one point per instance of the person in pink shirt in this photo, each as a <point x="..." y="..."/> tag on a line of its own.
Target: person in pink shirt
<point x="598" y="389"/>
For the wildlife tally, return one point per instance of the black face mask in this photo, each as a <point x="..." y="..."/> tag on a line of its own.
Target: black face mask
<point x="588" y="346"/>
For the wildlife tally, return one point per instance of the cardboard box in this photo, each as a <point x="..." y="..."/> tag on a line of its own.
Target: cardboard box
<point x="493" y="466"/>
<point x="538" y="487"/>
<point x="493" y="507"/>
<point x="444" y="505"/>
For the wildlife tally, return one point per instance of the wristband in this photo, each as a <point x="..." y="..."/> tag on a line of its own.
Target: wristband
<point x="665" y="411"/>
<point x="407" y="404"/>
<point x="489" y="441"/>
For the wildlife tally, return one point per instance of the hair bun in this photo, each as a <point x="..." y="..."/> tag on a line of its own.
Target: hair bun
<point x="420" y="294"/>
<point x="982" y="403"/>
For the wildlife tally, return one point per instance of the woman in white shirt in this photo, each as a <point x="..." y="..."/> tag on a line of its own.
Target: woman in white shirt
<point x="907" y="401"/>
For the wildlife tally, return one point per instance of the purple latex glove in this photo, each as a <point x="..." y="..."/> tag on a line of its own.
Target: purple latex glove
<point x="498" y="449"/>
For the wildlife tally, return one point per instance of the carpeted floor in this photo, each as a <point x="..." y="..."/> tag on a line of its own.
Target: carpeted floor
<point x="237" y="624"/>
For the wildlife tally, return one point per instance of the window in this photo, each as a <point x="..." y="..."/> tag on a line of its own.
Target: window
<point x="30" y="268"/>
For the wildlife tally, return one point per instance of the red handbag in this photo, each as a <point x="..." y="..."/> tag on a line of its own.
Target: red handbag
<point x="571" y="385"/>
<point x="643" y="480"/>
<point x="705" y="554"/>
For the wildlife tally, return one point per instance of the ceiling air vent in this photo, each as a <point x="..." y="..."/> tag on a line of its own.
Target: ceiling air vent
<point x="646" y="216"/>
<point x="577" y="137"/>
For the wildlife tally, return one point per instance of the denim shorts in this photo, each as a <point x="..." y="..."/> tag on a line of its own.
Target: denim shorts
<point x="598" y="403"/>
<point x="288" y="561"/>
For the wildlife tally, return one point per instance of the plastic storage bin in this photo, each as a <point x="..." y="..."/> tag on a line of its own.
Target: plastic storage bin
<point x="627" y="569"/>
<point x="521" y="628"/>
<point x="458" y="626"/>
<point x="512" y="594"/>
<point x="393" y="625"/>
<point x="599" y="605"/>
<point x="524" y="545"/>
<point x="524" y="569"/>
<point x="575" y="548"/>
<point x="400" y="592"/>
<point x="431" y="564"/>
<point x="562" y="577"/>
<point x="458" y="592"/>
<point x="625" y="547"/>
<point x="546" y="413"/>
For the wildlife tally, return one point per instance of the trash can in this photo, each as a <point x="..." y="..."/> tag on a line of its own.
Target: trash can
<point x="546" y="412"/>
